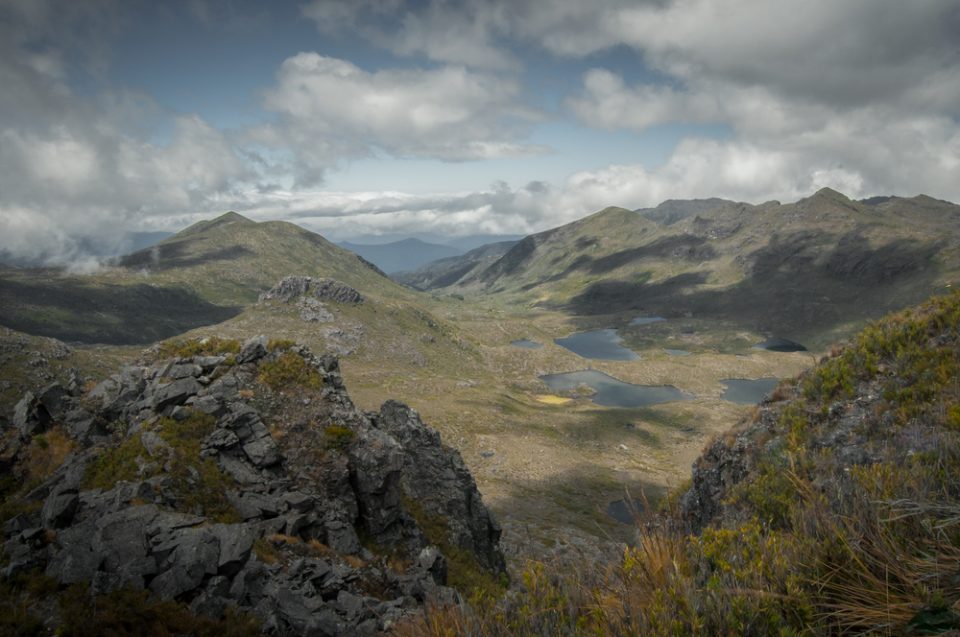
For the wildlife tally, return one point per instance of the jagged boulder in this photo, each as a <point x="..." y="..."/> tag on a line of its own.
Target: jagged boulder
<point x="213" y="485"/>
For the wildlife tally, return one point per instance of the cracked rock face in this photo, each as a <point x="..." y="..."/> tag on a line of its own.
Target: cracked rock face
<point x="230" y="493"/>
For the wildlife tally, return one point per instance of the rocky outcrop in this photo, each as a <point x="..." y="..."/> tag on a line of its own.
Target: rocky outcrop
<point x="294" y="286"/>
<point x="216" y="481"/>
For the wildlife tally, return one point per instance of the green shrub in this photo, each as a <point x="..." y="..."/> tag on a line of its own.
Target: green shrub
<point x="289" y="370"/>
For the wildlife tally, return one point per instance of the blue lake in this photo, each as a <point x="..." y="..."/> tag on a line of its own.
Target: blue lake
<point x="526" y="343"/>
<point x="748" y="392"/>
<point x="597" y="344"/>
<point x="611" y="392"/>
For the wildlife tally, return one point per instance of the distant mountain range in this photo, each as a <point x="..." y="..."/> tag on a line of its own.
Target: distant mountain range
<point x="800" y="269"/>
<point x="444" y="272"/>
<point x="412" y="253"/>
<point x="805" y="270"/>
<point x="401" y="256"/>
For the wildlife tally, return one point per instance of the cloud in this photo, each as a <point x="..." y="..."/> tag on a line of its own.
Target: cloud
<point x="460" y="33"/>
<point x="332" y="110"/>
<point x="78" y="168"/>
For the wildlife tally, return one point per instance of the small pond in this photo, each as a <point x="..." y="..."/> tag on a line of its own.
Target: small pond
<point x="647" y="320"/>
<point x="621" y="511"/>
<point x="526" y="343"/>
<point x="597" y="344"/>
<point x="780" y="345"/>
<point x="611" y="392"/>
<point x="677" y="352"/>
<point x="748" y="392"/>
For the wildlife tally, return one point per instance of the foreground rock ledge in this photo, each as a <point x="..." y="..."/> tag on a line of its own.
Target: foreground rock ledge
<point x="245" y="476"/>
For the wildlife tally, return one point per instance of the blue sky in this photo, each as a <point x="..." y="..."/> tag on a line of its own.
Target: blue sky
<point x="476" y="116"/>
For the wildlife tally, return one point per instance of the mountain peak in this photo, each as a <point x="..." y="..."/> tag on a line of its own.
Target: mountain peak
<point x="226" y="219"/>
<point x="230" y="217"/>
<point x="831" y="194"/>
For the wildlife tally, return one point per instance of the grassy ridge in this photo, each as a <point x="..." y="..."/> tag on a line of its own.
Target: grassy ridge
<point x="847" y="520"/>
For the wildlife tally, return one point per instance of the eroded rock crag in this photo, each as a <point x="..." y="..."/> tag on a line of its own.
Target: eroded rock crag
<point x="248" y="478"/>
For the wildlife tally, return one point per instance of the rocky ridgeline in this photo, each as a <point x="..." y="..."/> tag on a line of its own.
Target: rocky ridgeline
<point x="248" y="479"/>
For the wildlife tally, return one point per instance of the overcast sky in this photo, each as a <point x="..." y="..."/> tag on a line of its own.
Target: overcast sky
<point x="498" y="116"/>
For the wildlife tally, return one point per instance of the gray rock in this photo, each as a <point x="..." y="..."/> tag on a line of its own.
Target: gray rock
<point x="184" y="370"/>
<point x="437" y="478"/>
<point x="224" y="389"/>
<point x="209" y="405"/>
<point x="30" y="417"/>
<point x="54" y="398"/>
<point x="333" y="290"/>
<point x="253" y="350"/>
<point x="262" y="451"/>
<point x="59" y="509"/>
<point x="239" y="470"/>
<point x="79" y="423"/>
<point x="219" y="440"/>
<point x="236" y="542"/>
<point x="287" y="289"/>
<point x="297" y="501"/>
<point x="173" y="582"/>
<point x="209" y="363"/>
<point x="243" y="420"/>
<point x="175" y="393"/>
<point x="313" y="311"/>
<point x="349" y="605"/>
<point x="253" y="505"/>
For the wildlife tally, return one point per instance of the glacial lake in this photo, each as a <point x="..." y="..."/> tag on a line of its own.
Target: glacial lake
<point x="780" y="345"/>
<point x="748" y="392"/>
<point x="620" y="511"/>
<point x="597" y="344"/>
<point x="526" y="343"/>
<point x="647" y="320"/>
<point x="611" y="392"/>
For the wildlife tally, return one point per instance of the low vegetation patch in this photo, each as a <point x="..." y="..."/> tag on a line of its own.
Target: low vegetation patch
<point x="287" y="371"/>
<point x="29" y="602"/>
<point x="199" y="484"/>
<point x="210" y="346"/>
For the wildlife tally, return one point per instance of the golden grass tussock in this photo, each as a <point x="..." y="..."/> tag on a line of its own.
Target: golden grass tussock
<point x="552" y="399"/>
